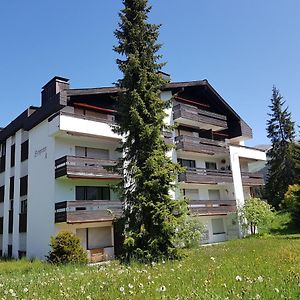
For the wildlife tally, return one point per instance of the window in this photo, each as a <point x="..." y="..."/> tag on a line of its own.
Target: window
<point x="2" y="189"/>
<point x="12" y="155"/>
<point x="91" y="152"/>
<point x="210" y="165"/>
<point x="23" y="209"/>
<point x="11" y="205"/>
<point x="214" y="195"/>
<point x="92" y="193"/>
<point x="24" y="151"/>
<point x="2" y="156"/>
<point x="11" y="187"/>
<point x="190" y="164"/>
<point x="218" y="226"/>
<point x="23" y="185"/>
<point x="191" y="194"/>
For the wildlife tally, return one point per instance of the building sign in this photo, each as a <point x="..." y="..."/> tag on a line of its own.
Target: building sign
<point x="41" y="152"/>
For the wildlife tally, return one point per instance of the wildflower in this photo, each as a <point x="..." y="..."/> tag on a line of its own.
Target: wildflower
<point x="260" y="279"/>
<point x="213" y="259"/>
<point x="122" y="289"/>
<point x="276" y="290"/>
<point x="238" y="278"/>
<point x="257" y="296"/>
<point x="130" y="285"/>
<point x="25" y="290"/>
<point x="162" y="288"/>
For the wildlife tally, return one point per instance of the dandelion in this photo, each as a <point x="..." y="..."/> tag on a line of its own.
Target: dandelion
<point x="238" y="278"/>
<point x="260" y="279"/>
<point x="162" y="288"/>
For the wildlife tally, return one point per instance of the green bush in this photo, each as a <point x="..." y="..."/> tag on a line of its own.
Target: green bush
<point x="291" y="202"/>
<point x="255" y="214"/>
<point x="189" y="233"/>
<point x="66" y="248"/>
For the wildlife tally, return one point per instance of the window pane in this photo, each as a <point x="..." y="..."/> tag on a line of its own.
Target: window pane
<point x="97" y="153"/>
<point x="91" y="193"/>
<point x="105" y="193"/>
<point x="218" y="226"/>
<point x="24" y="151"/>
<point x="214" y="195"/>
<point x="80" y="151"/>
<point x="211" y="165"/>
<point x="80" y="193"/>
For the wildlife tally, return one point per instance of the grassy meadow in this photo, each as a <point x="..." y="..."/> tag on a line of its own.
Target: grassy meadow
<point x="252" y="268"/>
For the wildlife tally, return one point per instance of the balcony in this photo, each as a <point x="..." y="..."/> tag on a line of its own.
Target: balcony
<point x="77" y="124"/>
<point x="84" y="211"/>
<point x="193" y="116"/>
<point x="83" y="167"/>
<point x="208" y="176"/>
<point x="252" y="179"/>
<point x="200" y="145"/>
<point x="212" y="207"/>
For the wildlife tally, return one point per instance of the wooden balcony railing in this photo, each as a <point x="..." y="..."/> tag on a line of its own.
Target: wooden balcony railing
<point x="212" y="207"/>
<point x="202" y="175"/>
<point x="83" y="167"/>
<point x="208" y="176"/>
<point x="200" y="145"/>
<point x="103" y="118"/>
<point x="209" y="120"/>
<point x="84" y="211"/>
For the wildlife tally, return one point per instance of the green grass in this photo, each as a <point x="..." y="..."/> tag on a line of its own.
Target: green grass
<point x="253" y="268"/>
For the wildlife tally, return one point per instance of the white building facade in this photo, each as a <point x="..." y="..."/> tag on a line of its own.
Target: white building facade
<point x="54" y="159"/>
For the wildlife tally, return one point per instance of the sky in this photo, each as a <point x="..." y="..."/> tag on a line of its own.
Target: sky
<point x="242" y="48"/>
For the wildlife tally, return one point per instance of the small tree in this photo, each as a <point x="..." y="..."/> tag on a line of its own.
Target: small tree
<point x="188" y="233"/>
<point x="254" y="214"/>
<point x="66" y="248"/>
<point x="291" y="202"/>
<point x="282" y="163"/>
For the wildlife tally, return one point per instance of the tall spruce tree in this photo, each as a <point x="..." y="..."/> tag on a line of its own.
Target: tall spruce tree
<point x="282" y="163"/>
<point x="151" y="215"/>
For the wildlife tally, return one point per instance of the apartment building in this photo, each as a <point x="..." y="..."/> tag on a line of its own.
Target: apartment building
<point x="54" y="158"/>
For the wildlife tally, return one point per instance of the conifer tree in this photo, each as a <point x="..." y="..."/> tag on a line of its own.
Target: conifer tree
<point x="151" y="215"/>
<point x="282" y="163"/>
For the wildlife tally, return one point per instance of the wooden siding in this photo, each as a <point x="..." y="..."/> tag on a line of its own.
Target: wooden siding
<point x="212" y="207"/>
<point x="200" y="145"/>
<point x="83" y="167"/>
<point x="81" y="211"/>
<point x="199" y="115"/>
<point x="252" y="179"/>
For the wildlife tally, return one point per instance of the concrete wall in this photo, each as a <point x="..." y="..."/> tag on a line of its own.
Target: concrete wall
<point x="41" y="188"/>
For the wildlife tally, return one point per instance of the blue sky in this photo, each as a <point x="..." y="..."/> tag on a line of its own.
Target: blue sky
<point x="241" y="47"/>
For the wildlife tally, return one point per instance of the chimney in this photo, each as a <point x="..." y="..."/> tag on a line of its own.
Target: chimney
<point x="53" y="87"/>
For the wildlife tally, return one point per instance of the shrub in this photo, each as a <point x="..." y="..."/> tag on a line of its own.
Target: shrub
<point x="255" y="214"/>
<point x="189" y="233"/>
<point x="291" y="202"/>
<point x="66" y="248"/>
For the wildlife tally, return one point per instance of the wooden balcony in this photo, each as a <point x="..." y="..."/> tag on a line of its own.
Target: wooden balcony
<point x="212" y="207"/>
<point x="191" y="115"/>
<point x="252" y="179"/>
<point x="84" y="211"/>
<point x="207" y="176"/>
<point x="200" y="145"/>
<point x="83" y="167"/>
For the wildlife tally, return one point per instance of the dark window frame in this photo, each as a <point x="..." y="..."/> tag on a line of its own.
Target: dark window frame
<point x="11" y="187"/>
<point x="24" y="185"/>
<point x="24" y="150"/>
<point x="12" y="155"/>
<point x="82" y="193"/>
